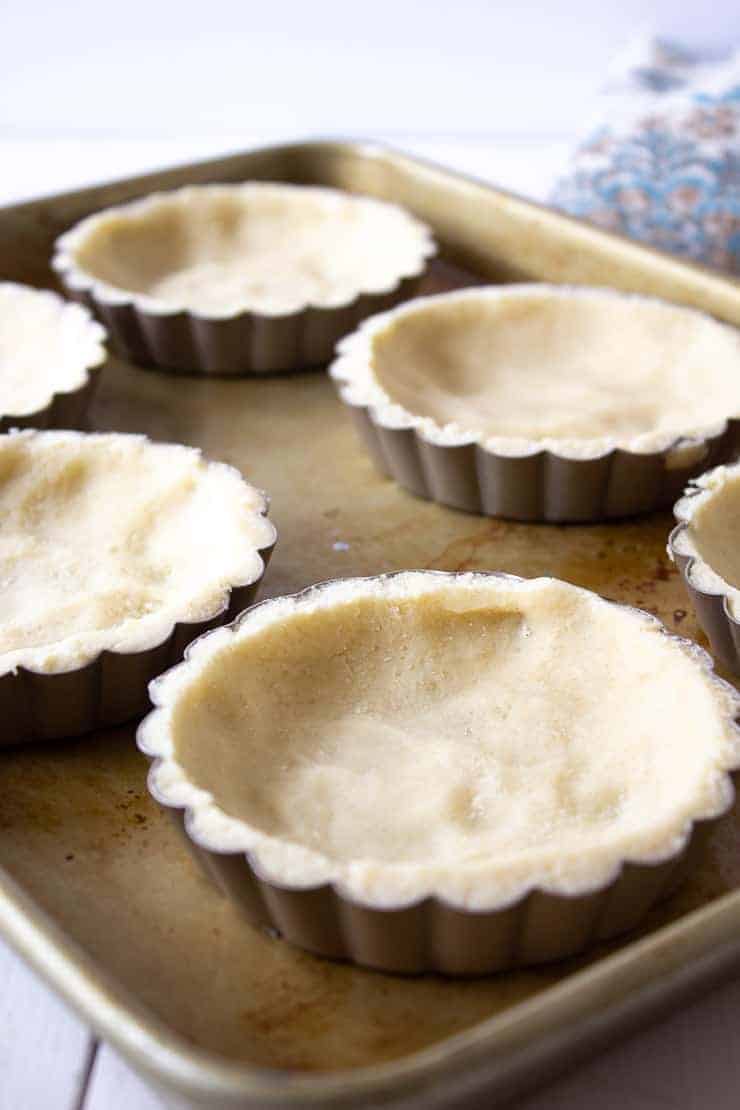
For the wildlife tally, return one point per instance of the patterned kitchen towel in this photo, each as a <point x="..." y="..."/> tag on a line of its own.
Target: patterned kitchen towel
<point x="663" y="166"/>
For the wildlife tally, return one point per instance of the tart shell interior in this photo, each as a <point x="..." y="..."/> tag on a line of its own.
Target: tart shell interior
<point x="476" y="729"/>
<point x="218" y="250"/>
<point x="47" y="346"/>
<point x="712" y="535"/>
<point x="553" y="365"/>
<point x="107" y="540"/>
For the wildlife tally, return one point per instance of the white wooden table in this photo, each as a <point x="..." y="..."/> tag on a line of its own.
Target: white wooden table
<point x="48" y="1059"/>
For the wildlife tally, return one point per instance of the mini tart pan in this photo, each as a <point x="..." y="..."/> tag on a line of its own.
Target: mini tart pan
<point x="63" y="407"/>
<point x="152" y="333"/>
<point x="431" y="933"/>
<point x="527" y="481"/>
<point x="111" y="687"/>
<point x="710" y="599"/>
<point x="109" y="690"/>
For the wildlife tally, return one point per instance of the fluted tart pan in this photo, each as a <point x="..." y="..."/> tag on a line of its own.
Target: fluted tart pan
<point x="51" y="356"/>
<point x="704" y="546"/>
<point x="116" y="553"/>
<point x="241" y="279"/>
<point x="374" y="768"/>
<point x="541" y="402"/>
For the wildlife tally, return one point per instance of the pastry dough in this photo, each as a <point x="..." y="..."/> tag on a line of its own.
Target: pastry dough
<point x="47" y="346"/>
<point x="219" y="250"/>
<point x="467" y="736"/>
<point x="517" y="369"/>
<point x="107" y="540"/>
<point x="712" y="534"/>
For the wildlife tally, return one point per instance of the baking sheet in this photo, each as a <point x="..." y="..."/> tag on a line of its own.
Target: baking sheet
<point x="78" y="832"/>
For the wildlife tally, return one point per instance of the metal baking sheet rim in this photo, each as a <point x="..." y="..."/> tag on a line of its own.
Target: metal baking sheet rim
<point x="520" y="1047"/>
<point x="509" y="1053"/>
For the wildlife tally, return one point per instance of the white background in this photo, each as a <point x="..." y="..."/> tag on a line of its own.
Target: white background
<point x="93" y="88"/>
<point x="90" y="91"/>
<point x="286" y="66"/>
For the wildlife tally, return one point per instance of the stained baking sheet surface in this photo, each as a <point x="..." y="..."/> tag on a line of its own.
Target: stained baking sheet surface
<point x="77" y="829"/>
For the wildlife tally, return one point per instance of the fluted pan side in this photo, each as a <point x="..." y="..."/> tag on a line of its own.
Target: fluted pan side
<point x="110" y="690"/>
<point x="432" y="936"/>
<point x="541" y="486"/>
<point x="249" y="343"/>
<point x="413" y="926"/>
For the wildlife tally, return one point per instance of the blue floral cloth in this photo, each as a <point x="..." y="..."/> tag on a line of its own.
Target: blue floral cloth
<point x="664" y="165"/>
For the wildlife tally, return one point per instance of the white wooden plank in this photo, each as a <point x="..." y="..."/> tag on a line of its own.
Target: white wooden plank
<point x="44" y="1049"/>
<point x="688" y="1062"/>
<point x="114" y="1086"/>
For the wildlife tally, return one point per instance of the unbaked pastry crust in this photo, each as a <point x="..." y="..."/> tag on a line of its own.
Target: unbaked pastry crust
<point x="108" y="540"/>
<point x="47" y="346"/>
<point x="220" y="250"/>
<point x="711" y="536"/>
<point x="464" y="736"/>
<point x="517" y="369"/>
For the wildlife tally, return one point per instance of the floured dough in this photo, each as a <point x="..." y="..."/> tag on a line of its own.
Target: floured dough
<point x="107" y="540"/>
<point x="712" y="535"/>
<point x="47" y="346"/>
<point x="579" y="370"/>
<point x="467" y="735"/>
<point x="218" y="250"/>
